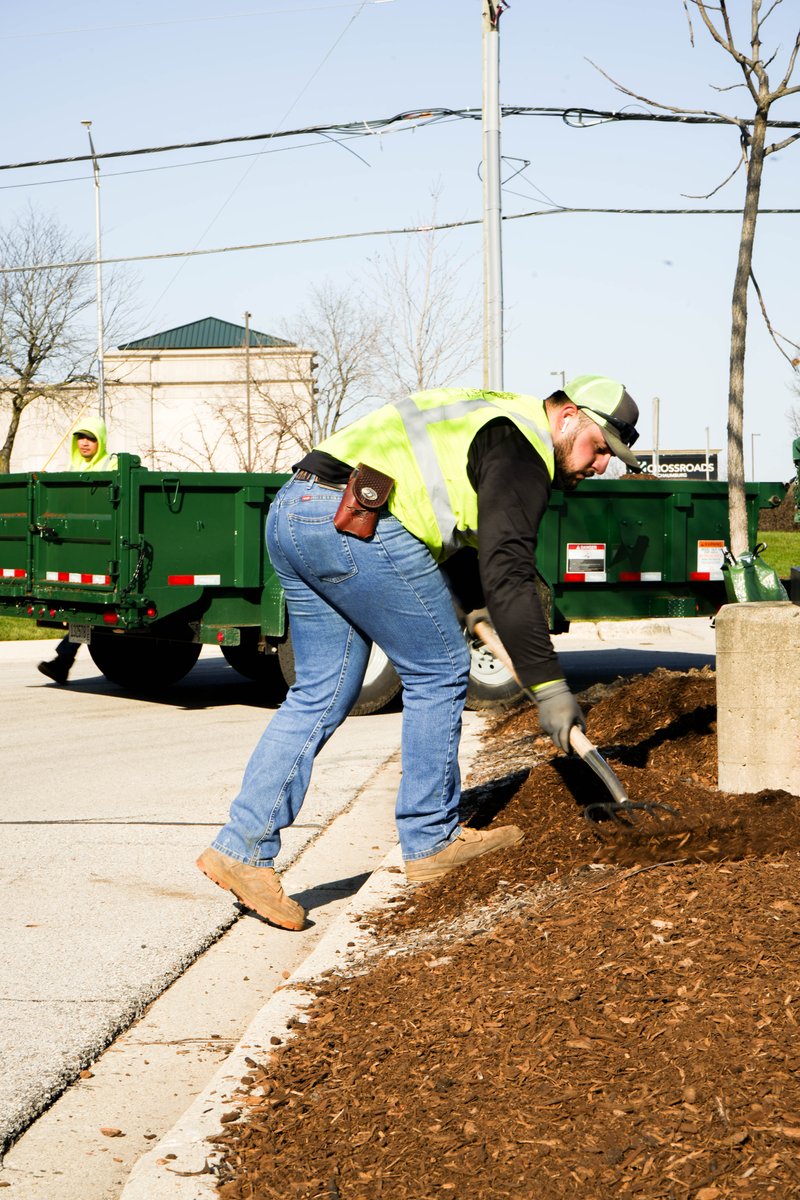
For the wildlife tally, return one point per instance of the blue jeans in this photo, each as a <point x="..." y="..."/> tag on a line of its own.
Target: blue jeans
<point x="344" y="593"/>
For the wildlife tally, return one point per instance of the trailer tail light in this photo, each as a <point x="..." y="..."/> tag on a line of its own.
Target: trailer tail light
<point x="152" y="611"/>
<point x="110" y="618"/>
<point x="52" y="612"/>
<point x="30" y="610"/>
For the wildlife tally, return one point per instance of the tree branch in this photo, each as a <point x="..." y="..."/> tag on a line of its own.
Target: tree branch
<point x="773" y="333"/>
<point x="781" y="92"/>
<point x="708" y="195"/>
<point x="696" y="112"/>
<point x="689" y="22"/>
<point x="769" y="12"/>
<point x="727" y="42"/>
<point x="781" y="145"/>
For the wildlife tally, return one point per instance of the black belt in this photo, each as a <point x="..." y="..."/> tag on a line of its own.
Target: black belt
<point x="306" y="476"/>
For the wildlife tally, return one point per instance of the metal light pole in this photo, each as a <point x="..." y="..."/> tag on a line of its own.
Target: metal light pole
<point x="753" y="437"/>
<point x="247" y="316"/>
<point x="563" y="375"/>
<point x="656" y="407"/>
<point x="101" y="383"/>
<point x="708" y="454"/>
<point x="492" y="213"/>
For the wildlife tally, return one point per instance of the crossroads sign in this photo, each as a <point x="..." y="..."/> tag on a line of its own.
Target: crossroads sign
<point x="681" y="464"/>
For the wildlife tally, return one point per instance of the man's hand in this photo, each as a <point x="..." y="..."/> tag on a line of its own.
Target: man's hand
<point x="471" y="619"/>
<point x="558" y="712"/>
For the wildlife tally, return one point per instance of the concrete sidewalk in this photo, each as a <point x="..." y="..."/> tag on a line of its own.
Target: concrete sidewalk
<point x="107" y="801"/>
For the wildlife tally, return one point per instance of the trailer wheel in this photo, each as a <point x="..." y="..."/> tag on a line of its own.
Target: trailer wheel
<point x="381" y="681"/>
<point x="381" y="684"/>
<point x="491" y="685"/>
<point x="262" y="666"/>
<point x="142" y="664"/>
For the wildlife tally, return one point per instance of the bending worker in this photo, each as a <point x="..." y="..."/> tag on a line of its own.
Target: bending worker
<point x="87" y="452"/>
<point x="459" y="468"/>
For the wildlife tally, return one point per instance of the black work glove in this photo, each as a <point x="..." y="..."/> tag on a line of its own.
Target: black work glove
<point x="558" y="712"/>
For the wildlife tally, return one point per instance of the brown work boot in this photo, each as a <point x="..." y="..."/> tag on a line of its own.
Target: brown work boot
<point x="469" y="844"/>
<point x="258" y="888"/>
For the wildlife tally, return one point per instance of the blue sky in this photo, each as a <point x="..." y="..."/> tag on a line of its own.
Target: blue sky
<point x="644" y="299"/>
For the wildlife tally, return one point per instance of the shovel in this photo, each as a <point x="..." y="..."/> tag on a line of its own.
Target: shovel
<point x="620" y="807"/>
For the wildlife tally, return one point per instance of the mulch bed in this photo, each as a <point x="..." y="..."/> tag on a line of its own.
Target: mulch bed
<point x="598" y="1012"/>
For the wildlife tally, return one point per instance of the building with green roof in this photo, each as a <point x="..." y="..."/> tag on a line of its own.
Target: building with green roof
<point x="210" y="333"/>
<point x="210" y="395"/>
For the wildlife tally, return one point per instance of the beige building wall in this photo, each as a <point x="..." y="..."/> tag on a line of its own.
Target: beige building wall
<point x="186" y="410"/>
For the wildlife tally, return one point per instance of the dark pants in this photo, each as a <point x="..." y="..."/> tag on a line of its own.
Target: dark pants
<point x="66" y="651"/>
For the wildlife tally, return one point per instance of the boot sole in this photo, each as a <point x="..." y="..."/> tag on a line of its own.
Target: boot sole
<point x="282" y="924"/>
<point x="428" y="874"/>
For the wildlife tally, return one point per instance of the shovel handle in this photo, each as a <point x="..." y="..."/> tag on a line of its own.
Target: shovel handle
<point x="579" y="742"/>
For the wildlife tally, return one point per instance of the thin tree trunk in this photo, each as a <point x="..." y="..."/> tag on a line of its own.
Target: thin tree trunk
<point x="737" y="506"/>
<point x="8" y="444"/>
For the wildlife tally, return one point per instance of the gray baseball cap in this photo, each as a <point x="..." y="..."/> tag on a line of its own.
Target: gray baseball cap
<point x="607" y="403"/>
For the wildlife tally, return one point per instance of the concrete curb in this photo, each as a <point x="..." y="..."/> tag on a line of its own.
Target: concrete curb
<point x="626" y="631"/>
<point x="180" y="1165"/>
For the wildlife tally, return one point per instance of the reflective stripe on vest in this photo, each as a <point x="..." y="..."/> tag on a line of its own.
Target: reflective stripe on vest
<point x="416" y="421"/>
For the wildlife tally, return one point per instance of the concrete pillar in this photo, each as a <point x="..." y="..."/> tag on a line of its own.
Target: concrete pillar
<point x="758" y="707"/>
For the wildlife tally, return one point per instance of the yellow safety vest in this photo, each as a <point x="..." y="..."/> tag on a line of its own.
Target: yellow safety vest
<point x="423" y="442"/>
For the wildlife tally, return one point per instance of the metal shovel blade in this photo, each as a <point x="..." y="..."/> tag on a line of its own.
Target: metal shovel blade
<point x="620" y="807"/>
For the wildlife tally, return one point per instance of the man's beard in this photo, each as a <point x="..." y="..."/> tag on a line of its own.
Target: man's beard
<point x="564" y="478"/>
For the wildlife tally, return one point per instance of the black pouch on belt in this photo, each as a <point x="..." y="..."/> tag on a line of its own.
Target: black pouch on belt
<point x="365" y="495"/>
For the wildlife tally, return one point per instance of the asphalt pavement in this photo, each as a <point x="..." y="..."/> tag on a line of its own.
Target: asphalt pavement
<point x="107" y="801"/>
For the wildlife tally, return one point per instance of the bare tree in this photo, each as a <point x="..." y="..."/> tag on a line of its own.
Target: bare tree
<point x="754" y="150"/>
<point x="793" y="417"/>
<point x="40" y="347"/>
<point x="402" y="327"/>
<point x="46" y="347"/>
<point x="429" y="314"/>
<point x="328" y="369"/>
<point x="341" y="328"/>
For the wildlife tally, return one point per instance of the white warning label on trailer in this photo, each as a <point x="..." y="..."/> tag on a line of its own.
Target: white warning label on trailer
<point x="587" y="560"/>
<point x="710" y="559"/>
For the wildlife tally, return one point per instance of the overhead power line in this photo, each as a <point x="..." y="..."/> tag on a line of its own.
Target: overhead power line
<point x="362" y="128"/>
<point x="193" y="20"/>
<point x="368" y="233"/>
<point x="576" y="116"/>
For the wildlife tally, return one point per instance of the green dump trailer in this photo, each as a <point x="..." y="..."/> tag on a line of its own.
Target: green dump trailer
<point x="146" y="567"/>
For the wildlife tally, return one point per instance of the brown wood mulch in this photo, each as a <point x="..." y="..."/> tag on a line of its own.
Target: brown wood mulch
<point x="597" y="1012"/>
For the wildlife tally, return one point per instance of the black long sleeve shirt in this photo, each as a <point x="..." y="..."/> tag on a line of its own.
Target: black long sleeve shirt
<point x="513" y="490"/>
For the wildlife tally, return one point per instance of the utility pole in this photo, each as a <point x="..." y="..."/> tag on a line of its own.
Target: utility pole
<point x="492" y="210"/>
<point x="247" y="316"/>
<point x="101" y="383"/>
<point x="656" y="406"/>
<point x="753" y="437"/>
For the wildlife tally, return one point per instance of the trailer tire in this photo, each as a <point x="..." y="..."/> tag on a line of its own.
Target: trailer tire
<point x="381" y="681"/>
<point x="142" y="664"/>
<point x="262" y="666"/>
<point x="491" y="686"/>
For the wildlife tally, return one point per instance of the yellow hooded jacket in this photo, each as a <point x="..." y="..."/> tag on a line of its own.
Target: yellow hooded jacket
<point x="101" y="460"/>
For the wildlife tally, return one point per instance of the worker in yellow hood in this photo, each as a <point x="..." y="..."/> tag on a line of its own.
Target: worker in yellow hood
<point x="87" y="452"/>
<point x="88" y="447"/>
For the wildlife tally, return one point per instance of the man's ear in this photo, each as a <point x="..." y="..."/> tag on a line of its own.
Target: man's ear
<point x="568" y="413"/>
